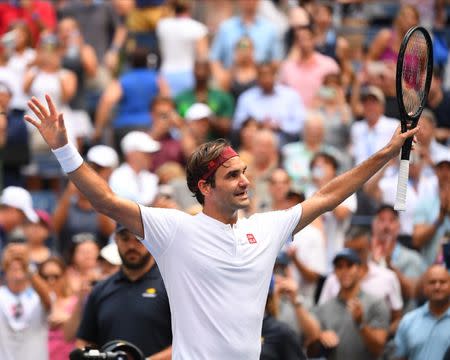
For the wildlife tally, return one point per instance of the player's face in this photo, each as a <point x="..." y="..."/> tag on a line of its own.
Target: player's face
<point x="231" y="190"/>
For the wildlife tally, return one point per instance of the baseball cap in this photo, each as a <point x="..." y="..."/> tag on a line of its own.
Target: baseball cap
<point x="19" y="198"/>
<point x="374" y="91"/>
<point x="347" y="254"/>
<point x="102" y="155"/>
<point x="44" y="218"/>
<point x="111" y="254"/>
<point x="198" y="111"/>
<point x="139" y="141"/>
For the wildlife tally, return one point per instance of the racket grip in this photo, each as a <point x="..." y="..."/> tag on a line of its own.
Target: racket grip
<point x="400" y="201"/>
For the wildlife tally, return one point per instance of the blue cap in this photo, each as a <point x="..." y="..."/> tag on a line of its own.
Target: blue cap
<point x="347" y="254"/>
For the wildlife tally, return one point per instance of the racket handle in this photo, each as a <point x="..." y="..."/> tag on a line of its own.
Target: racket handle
<point x="400" y="201"/>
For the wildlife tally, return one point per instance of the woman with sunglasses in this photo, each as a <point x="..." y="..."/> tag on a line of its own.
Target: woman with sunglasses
<point x="53" y="271"/>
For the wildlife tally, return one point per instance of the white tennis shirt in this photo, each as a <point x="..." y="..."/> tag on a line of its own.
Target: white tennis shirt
<point x="217" y="277"/>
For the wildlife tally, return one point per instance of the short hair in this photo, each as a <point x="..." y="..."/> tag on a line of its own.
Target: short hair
<point x="197" y="165"/>
<point x="330" y="159"/>
<point x="159" y="99"/>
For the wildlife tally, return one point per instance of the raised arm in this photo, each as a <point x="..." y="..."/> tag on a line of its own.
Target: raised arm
<point x="341" y="187"/>
<point x="50" y="124"/>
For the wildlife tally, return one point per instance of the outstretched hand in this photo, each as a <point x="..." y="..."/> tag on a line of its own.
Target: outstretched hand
<point x="399" y="138"/>
<point x="50" y="123"/>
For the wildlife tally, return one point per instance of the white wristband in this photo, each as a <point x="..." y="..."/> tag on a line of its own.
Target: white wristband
<point x="68" y="157"/>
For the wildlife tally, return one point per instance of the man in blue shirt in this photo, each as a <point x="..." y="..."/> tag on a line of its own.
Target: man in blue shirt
<point x="425" y="332"/>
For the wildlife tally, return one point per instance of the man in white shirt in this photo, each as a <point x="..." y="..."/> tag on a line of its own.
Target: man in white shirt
<point x="132" y="179"/>
<point x="216" y="267"/>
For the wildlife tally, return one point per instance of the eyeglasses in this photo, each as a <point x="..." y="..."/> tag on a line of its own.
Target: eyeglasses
<point x="17" y="309"/>
<point x="49" y="277"/>
<point x="83" y="237"/>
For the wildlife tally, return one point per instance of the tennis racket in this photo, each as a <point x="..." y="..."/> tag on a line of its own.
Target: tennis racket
<point x="413" y="79"/>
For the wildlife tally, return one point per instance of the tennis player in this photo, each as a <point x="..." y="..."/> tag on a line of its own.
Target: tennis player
<point x="216" y="267"/>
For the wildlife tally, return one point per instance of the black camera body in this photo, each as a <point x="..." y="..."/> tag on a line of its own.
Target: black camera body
<point x="113" y="350"/>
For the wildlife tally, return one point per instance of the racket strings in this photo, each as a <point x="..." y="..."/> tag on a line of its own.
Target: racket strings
<point x="414" y="70"/>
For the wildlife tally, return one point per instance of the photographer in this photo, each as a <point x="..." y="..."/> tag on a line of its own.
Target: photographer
<point x="24" y="305"/>
<point x="108" y="315"/>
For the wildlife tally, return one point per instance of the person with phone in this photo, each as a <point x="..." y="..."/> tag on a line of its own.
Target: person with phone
<point x="216" y="267"/>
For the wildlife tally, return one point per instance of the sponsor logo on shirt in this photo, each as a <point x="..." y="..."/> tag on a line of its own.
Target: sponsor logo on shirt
<point x="251" y="239"/>
<point x="150" y="293"/>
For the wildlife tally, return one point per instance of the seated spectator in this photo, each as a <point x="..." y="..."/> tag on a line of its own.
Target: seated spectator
<point x="423" y="333"/>
<point x="387" y="251"/>
<point x="279" y="186"/>
<point x="196" y="129"/>
<point x="432" y="215"/>
<point x="383" y="52"/>
<point x="103" y="159"/>
<point x="181" y="40"/>
<point x="166" y="123"/>
<point x="267" y="45"/>
<point x="370" y="134"/>
<point x="306" y="73"/>
<point x="132" y="179"/>
<point x="147" y="323"/>
<point x="36" y="235"/>
<point x="298" y="155"/>
<point x="221" y="103"/>
<point x="278" y="340"/>
<point x="132" y="93"/>
<point x="245" y="136"/>
<point x="276" y="106"/>
<point x="330" y="101"/>
<point x="24" y="304"/>
<point x="16" y="207"/>
<point x="74" y="214"/>
<point x="243" y="73"/>
<point x="53" y="271"/>
<point x="298" y="17"/>
<point x="353" y="323"/>
<point x="439" y="103"/>
<point x="82" y="264"/>
<point x="324" y="168"/>
<point x="16" y="151"/>
<point x="109" y="260"/>
<point x="376" y="280"/>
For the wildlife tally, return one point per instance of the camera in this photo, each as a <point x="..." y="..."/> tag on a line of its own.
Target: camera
<point x="113" y="350"/>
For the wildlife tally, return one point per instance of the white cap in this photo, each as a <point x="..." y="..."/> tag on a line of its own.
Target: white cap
<point x="111" y="254"/>
<point x="442" y="157"/>
<point x="198" y="111"/>
<point x="139" y="141"/>
<point x="103" y="155"/>
<point x="19" y="198"/>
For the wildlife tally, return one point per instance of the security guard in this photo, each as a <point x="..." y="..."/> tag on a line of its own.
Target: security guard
<point x="130" y="305"/>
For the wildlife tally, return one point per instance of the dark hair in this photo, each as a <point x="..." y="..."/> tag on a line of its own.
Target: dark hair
<point x="388" y="207"/>
<point x="181" y="6"/>
<point x="138" y="58"/>
<point x="330" y="159"/>
<point x="197" y="165"/>
<point x="159" y="99"/>
<point x="53" y="259"/>
<point x="20" y="24"/>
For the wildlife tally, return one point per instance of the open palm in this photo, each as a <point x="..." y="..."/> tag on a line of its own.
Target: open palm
<point x="50" y="123"/>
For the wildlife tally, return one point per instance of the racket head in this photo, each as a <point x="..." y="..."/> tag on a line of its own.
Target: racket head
<point x="413" y="75"/>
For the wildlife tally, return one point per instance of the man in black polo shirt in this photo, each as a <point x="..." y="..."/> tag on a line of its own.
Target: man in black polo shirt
<point x="130" y="305"/>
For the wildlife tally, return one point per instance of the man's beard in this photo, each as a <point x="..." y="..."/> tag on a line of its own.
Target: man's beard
<point x="143" y="261"/>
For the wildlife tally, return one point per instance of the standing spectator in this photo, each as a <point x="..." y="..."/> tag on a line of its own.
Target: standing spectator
<point x="16" y="207"/>
<point x="133" y="92"/>
<point x="36" y="235"/>
<point x="197" y="128"/>
<point x="432" y="216"/>
<point x="16" y="151"/>
<point x="53" y="271"/>
<point x="369" y="135"/>
<point x="424" y="332"/>
<point x="221" y="103"/>
<point x="38" y="15"/>
<point x="132" y="179"/>
<point x="276" y="106"/>
<point x="306" y="73"/>
<point x="181" y="40"/>
<point x="244" y="72"/>
<point x="376" y="280"/>
<point x="21" y="56"/>
<point x="279" y="187"/>
<point x="354" y="324"/>
<point x="439" y="103"/>
<point x="387" y="251"/>
<point x="24" y="305"/>
<point x="103" y="159"/>
<point x="267" y="45"/>
<point x="147" y="323"/>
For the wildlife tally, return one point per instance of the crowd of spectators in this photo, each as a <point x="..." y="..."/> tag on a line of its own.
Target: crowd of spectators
<point x="304" y="90"/>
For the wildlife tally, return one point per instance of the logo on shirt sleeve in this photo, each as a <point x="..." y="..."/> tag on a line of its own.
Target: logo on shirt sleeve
<point x="251" y="239"/>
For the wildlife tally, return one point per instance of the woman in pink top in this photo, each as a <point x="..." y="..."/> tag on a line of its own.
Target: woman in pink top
<point x="53" y="271"/>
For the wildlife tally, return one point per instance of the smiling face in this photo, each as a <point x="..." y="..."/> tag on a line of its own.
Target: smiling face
<point x="230" y="191"/>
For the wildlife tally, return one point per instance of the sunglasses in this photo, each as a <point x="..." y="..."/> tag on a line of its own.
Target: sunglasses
<point x="49" y="277"/>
